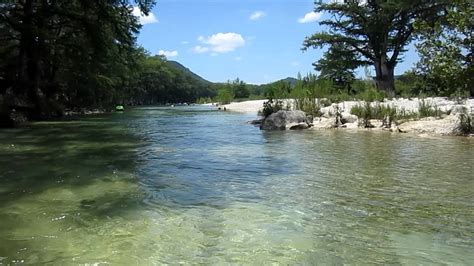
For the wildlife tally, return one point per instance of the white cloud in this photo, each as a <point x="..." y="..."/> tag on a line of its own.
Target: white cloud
<point x="168" y="54"/>
<point x="295" y="63"/>
<point x="184" y="42"/>
<point x="220" y="43"/>
<point x="238" y="58"/>
<point x="199" y="49"/>
<point x="257" y="15"/>
<point x="142" y="18"/>
<point x="309" y="17"/>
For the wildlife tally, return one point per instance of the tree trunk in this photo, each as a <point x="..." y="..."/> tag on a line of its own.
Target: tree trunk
<point x="384" y="77"/>
<point x="29" y="70"/>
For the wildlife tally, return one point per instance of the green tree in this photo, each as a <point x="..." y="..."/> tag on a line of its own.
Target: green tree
<point x="338" y="65"/>
<point x="225" y="94"/>
<point x="240" y="89"/>
<point x="376" y="31"/>
<point x="446" y="50"/>
<point x="57" y="54"/>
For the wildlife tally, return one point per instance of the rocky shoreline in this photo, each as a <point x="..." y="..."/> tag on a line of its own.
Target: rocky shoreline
<point x="339" y="116"/>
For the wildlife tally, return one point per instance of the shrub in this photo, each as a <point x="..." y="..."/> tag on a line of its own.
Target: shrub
<point x="271" y="106"/>
<point x="225" y="95"/>
<point x="466" y="123"/>
<point x="365" y="113"/>
<point x="306" y="96"/>
<point x="425" y="109"/>
<point x="203" y="100"/>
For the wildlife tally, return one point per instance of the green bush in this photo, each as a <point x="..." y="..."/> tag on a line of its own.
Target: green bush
<point x="271" y="106"/>
<point x="425" y="109"/>
<point x="203" y="100"/>
<point x="225" y="96"/>
<point x="466" y="123"/>
<point x="364" y="112"/>
<point x="367" y="111"/>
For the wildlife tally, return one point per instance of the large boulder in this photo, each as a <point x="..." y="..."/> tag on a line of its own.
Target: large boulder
<point x="348" y="118"/>
<point x="283" y="120"/>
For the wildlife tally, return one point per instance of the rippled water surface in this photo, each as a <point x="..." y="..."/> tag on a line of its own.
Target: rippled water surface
<point x="186" y="185"/>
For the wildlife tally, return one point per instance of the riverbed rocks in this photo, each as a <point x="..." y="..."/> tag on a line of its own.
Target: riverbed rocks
<point x="338" y="115"/>
<point x="450" y="125"/>
<point x="286" y="120"/>
<point x="347" y="117"/>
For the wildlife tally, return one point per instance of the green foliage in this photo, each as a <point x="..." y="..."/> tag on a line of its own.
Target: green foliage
<point x="240" y="89"/>
<point x="203" y="100"/>
<point x="306" y="94"/>
<point x="466" y="123"/>
<point x="365" y="113"/>
<point x="371" y="94"/>
<point x="61" y="59"/>
<point x="278" y="90"/>
<point x="55" y="54"/>
<point x="425" y="109"/>
<point x="375" y="32"/>
<point x="388" y="114"/>
<point x="338" y="65"/>
<point x="446" y="52"/>
<point x="411" y="84"/>
<point x="225" y="95"/>
<point x="272" y="106"/>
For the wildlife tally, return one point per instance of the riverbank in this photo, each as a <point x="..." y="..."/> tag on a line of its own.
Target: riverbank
<point x="447" y="121"/>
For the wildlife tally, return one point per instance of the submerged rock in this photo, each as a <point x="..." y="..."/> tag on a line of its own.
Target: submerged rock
<point x="295" y="126"/>
<point x="283" y="120"/>
<point x="255" y="122"/>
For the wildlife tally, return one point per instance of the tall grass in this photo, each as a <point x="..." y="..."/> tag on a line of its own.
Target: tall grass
<point x="388" y="114"/>
<point x="466" y="123"/>
<point x="307" y="96"/>
<point x="425" y="109"/>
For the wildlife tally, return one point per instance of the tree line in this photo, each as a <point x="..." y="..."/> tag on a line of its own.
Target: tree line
<point x="59" y="55"/>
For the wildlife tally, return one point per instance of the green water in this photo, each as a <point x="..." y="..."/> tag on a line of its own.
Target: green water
<point x="185" y="185"/>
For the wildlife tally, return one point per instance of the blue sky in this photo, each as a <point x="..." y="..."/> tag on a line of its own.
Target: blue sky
<point x="258" y="41"/>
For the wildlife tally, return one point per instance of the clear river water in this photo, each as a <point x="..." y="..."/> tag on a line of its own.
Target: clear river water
<point x="158" y="185"/>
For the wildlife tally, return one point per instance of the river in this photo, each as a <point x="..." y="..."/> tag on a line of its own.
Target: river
<point x="159" y="185"/>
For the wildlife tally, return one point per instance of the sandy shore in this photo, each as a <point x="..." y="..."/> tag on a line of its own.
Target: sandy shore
<point x="248" y="107"/>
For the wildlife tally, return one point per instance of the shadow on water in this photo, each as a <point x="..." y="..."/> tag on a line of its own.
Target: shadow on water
<point x="61" y="154"/>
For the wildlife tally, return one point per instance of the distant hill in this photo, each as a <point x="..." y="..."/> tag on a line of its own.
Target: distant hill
<point x="180" y="67"/>
<point x="290" y="80"/>
<point x="187" y="71"/>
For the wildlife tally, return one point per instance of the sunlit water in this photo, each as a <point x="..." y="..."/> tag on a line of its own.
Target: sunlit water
<point x="186" y="185"/>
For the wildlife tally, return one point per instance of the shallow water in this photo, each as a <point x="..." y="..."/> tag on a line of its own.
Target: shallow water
<point x="186" y="185"/>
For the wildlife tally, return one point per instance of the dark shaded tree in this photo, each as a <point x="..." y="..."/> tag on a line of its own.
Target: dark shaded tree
<point x="64" y="52"/>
